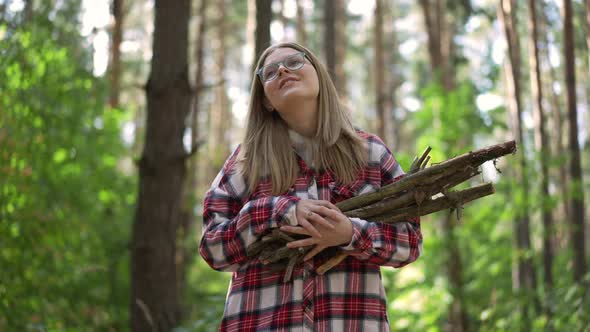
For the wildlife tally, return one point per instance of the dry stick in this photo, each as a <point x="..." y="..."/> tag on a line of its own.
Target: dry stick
<point x="441" y="203"/>
<point x="393" y="203"/>
<point x="433" y="173"/>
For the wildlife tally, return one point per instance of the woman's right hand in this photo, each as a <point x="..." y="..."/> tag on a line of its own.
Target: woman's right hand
<point x="310" y="212"/>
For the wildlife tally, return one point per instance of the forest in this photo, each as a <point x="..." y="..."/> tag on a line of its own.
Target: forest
<point x="115" y="117"/>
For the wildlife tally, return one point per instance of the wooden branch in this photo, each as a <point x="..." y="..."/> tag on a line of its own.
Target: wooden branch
<point x="441" y="203"/>
<point x="433" y="173"/>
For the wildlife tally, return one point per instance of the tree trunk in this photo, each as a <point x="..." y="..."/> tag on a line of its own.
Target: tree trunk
<point x="115" y="65"/>
<point x="393" y="81"/>
<point x="28" y="11"/>
<point x="381" y="127"/>
<point x="557" y="122"/>
<point x="577" y="199"/>
<point x="154" y="304"/>
<point x="301" y="33"/>
<point x="186" y="251"/>
<point x="523" y="280"/>
<point x="220" y="116"/>
<point x="335" y="42"/>
<point x="587" y="3"/>
<point x="262" y="33"/>
<point x="440" y="34"/>
<point x="542" y="146"/>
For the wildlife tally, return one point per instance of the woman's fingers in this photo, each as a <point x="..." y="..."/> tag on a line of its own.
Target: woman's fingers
<point x="295" y="230"/>
<point x="326" y="212"/>
<point x="316" y="250"/>
<point x="316" y="218"/>
<point x="327" y="204"/>
<point x="309" y="227"/>
<point x="302" y="243"/>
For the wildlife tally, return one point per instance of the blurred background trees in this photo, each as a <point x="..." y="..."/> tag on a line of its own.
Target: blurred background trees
<point x="116" y="115"/>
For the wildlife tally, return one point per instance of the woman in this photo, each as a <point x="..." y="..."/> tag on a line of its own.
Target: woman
<point x="300" y="156"/>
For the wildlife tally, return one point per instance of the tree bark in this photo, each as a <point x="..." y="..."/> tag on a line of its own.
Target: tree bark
<point x="335" y="42"/>
<point x="115" y="65"/>
<point x="440" y="34"/>
<point x="185" y="251"/>
<point x="301" y="32"/>
<point x="154" y="304"/>
<point x="393" y="79"/>
<point x="262" y="33"/>
<point x="379" y="71"/>
<point x="557" y="122"/>
<point x="220" y="115"/>
<point x="587" y="5"/>
<point x="577" y="200"/>
<point x="541" y="144"/>
<point x="523" y="280"/>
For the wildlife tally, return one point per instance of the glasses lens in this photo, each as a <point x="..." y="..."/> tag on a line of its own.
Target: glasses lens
<point x="269" y="72"/>
<point x="294" y="61"/>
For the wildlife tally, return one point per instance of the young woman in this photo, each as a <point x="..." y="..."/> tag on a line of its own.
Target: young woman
<point x="300" y="156"/>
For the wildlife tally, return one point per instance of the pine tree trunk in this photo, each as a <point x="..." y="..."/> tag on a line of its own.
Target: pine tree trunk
<point x="335" y="42"/>
<point x="220" y="115"/>
<point x="577" y="199"/>
<point x="379" y="72"/>
<point x="154" y="304"/>
<point x="440" y="34"/>
<point x="301" y="32"/>
<point x="115" y="61"/>
<point x="185" y="251"/>
<point x="523" y="280"/>
<point x="541" y="144"/>
<point x="557" y="123"/>
<point x="393" y="81"/>
<point x="587" y="5"/>
<point x="262" y="32"/>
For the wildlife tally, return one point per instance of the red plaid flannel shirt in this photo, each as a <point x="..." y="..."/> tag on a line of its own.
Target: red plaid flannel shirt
<point x="348" y="297"/>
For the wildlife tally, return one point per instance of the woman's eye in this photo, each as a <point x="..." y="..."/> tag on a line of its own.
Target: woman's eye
<point x="269" y="72"/>
<point x="293" y="62"/>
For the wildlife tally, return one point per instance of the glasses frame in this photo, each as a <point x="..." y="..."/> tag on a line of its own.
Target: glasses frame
<point x="278" y="65"/>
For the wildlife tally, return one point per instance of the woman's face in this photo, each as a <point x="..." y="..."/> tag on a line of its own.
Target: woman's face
<point x="290" y="86"/>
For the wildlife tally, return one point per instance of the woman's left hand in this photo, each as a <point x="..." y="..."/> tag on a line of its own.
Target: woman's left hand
<point x="341" y="234"/>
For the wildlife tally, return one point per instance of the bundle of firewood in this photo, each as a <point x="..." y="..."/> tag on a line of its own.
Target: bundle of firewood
<point x="424" y="190"/>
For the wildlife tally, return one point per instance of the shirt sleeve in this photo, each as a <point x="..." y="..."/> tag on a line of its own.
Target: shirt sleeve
<point x="395" y="244"/>
<point x="230" y="225"/>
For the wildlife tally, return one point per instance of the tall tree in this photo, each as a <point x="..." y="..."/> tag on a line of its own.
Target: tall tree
<point x="440" y="32"/>
<point x="393" y="80"/>
<point x="186" y="249"/>
<point x="541" y="144"/>
<point x="523" y="271"/>
<point x="577" y="199"/>
<point x="154" y="303"/>
<point x="587" y="3"/>
<point x="262" y="32"/>
<point x="300" y="24"/>
<point x="220" y="114"/>
<point x="115" y="60"/>
<point x="335" y="42"/>
<point x="556" y="115"/>
<point x="379" y="72"/>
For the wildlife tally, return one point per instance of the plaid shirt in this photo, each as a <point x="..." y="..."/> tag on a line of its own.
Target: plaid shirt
<point x="348" y="297"/>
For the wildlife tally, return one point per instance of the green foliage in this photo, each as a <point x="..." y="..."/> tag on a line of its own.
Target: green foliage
<point x="64" y="205"/>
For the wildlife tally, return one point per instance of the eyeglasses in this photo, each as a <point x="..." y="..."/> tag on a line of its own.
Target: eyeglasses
<point x="271" y="71"/>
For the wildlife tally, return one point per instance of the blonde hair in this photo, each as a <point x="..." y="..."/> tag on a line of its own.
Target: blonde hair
<point x="266" y="150"/>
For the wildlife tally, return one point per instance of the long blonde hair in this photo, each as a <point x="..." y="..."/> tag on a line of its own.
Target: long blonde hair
<point x="266" y="149"/>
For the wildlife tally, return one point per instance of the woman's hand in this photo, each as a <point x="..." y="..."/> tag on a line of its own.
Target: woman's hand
<point x="323" y="222"/>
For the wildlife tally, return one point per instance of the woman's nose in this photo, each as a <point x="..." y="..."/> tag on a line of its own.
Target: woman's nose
<point x="284" y="68"/>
